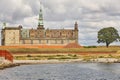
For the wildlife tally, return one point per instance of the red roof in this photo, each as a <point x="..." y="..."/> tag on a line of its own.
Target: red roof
<point x="73" y="45"/>
<point x="7" y="55"/>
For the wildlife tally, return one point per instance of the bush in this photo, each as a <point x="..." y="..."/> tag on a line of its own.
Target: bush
<point x="110" y="56"/>
<point x="90" y="46"/>
<point x="69" y="54"/>
<point x="74" y="55"/>
<point x="100" y="57"/>
<point x="29" y="55"/>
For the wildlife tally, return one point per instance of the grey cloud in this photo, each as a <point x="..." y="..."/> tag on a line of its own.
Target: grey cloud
<point x="92" y="15"/>
<point x="14" y="11"/>
<point x="80" y="10"/>
<point x="35" y="5"/>
<point x="6" y="9"/>
<point x="21" y="13"/>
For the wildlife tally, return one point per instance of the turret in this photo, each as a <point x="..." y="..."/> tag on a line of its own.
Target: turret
<point x="76" y="31"/>
<point x="76" y="26"/>
<point x="4" y="25"/>
<point x="3" y="34"/>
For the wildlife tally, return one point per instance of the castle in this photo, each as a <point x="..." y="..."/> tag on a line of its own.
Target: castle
<point x="20" y="36"/>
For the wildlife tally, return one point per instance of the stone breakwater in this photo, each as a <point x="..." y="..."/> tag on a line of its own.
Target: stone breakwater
<point x="27" y="62"/>
<point x="99" y="60"/>
<point x="45" y="61"/>
<point x="4" y="66"/>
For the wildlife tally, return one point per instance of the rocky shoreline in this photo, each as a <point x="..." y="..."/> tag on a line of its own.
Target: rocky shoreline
<point x="4" y="66"/>
<point x="97" y="60"/>
<point x="28" y="62"/>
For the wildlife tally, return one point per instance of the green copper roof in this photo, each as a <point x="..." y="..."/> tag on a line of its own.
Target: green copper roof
<point x="40" y="21"/>
<point x="25" y="33"/>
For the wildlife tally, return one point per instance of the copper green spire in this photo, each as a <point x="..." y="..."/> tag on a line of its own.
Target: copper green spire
<point x="40" y="20"/>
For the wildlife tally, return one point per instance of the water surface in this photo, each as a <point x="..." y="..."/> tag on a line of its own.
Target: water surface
<point x="65" y="71"/>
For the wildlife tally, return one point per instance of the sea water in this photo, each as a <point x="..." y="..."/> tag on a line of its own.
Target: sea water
<point x="63" y="71"/>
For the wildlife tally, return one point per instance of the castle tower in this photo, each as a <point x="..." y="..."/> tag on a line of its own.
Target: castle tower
<point x="4" y="25"/>
<point x="76" y="31"/>
<point x="76" y="26"/>
<point x="40" y="20"/>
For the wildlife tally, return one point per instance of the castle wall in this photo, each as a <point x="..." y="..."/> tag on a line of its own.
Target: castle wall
<point x="58" y="41"/>
<point x="18" y="36"/>
<point x="36" y="41"/>
<point x="27" y="41"/>
<point x="40" y="35"/>
<point x="12" y="37"/>
<point x="43" y="41"/>
<point x="25" y="33"/>
<point x="47" y="41"/>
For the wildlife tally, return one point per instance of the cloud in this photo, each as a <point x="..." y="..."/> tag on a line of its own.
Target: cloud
<point x="91" y="15"/>
<point x="13" y="11"/>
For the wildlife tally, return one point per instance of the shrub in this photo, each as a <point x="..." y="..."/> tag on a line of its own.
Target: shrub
<point x="29" y="55"/>
<point x="90" y="46"/>
<point x="74" y="55"/>
<point x="100" y="57"/>
<point x="110" y="56"/>
<point x="69" y="54"/>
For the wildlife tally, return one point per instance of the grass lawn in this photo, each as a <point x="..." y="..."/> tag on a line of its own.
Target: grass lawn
<point x="63" y="53"/>
<point x="63" y="50"/>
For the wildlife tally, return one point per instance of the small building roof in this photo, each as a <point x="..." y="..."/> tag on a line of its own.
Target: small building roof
<point x="12" y="28"/>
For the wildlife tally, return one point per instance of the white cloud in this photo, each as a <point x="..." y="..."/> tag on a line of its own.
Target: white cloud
<point x="92" y="15"/>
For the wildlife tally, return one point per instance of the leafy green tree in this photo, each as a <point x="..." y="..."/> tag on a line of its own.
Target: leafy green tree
<point x="108" y="35"/>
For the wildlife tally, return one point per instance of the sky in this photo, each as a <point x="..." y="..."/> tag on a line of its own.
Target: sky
<point x="91" y="15"/>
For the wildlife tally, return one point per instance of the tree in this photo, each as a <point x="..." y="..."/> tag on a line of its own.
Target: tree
<point x="108" y="35"/>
